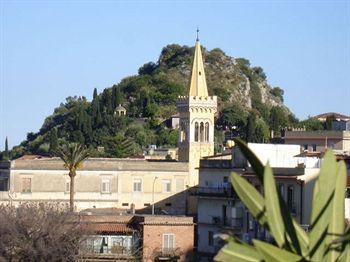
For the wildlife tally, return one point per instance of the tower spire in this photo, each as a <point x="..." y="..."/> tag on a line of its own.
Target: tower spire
<point x="198" y="85"/>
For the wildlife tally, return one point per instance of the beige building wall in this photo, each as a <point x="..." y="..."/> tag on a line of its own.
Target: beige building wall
<point x="337" y="140"/>
<point x="104" y="188"/>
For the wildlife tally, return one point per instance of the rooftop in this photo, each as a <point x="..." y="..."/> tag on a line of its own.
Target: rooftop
<point x="100" y="164"/>
<point x="331" y="114"/>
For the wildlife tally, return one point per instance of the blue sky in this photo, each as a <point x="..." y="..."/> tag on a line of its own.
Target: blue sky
<point x="54" y="49"/>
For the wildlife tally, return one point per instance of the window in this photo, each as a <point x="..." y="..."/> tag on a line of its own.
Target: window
<point x="26" y="185"/>
<point x="281" y="189"/>
<point x="183" y="132"/>
<point x="67" y="186"/>
<point x="179" y="185"/>
<point x="105" y="186"/>
<point x="168" y="241"/>
<point x="210" y="238"/>
<point x="166" y="186"/>
<point x="225" y="179"/>
<point x="196" y="132"/>
<point x="137" y="185"/>
<point x="206" y="132"/>
<point x="3" y="184"/>
<point x="125" y="204"/>
<point x="147" y="204"/>
<point x="314" y="148"/>
<point x="168" y="204"/>
<point x="201" y="132"/>
<point x="306" y="146"/>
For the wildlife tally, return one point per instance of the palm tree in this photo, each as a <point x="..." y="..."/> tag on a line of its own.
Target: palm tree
<point x="73" y="157"/>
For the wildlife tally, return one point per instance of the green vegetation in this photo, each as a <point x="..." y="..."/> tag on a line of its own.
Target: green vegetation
<point x="328" y="239"/>
<point x="150" y="98"/>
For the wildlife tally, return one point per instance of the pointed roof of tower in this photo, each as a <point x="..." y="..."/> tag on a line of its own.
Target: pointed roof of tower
<point x="198" y="85"/>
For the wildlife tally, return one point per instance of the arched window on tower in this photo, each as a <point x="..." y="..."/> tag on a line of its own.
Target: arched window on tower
<point x="183" y="136"/>
<point x="196" y="132"/>
<point x="207" y="132"/>
<point x="201" y="132"/>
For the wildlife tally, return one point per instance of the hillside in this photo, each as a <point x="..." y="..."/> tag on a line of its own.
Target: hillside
<point x="246" y="101"/>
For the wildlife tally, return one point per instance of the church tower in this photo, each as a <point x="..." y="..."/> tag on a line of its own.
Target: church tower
<point x="197" y="110"/>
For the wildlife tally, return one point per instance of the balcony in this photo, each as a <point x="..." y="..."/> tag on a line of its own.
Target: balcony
<point x="228" y="222"/>
<point x="167" y="253"/>
<point x="233" y="222"/>
<point x="222" y="192"/>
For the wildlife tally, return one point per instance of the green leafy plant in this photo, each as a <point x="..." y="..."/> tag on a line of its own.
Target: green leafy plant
<point x="328" y="238"/>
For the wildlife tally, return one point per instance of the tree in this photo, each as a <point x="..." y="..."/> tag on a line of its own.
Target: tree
<point x="261" y="131"/>
<point x="277" y="119"/>
<point x="6" y="152"/>
<point x="95" y="108"/>
<point x="39" y="232"/>
<point x="73" y="157"/>
<point x="328" y="239"/>
<point x="53" y="140"/>
<point x="234" y="115"/>
<point x="329" y="122"/>
<point x="311" y="124"/>
<point x="250" y="129"/>
<point x="277" y="92"/>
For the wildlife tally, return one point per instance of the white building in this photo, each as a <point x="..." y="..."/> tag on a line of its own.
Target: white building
<point x="220" y="210"/>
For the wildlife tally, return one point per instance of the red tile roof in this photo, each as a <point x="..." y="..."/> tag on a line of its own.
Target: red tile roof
<point x="110" y="227"/>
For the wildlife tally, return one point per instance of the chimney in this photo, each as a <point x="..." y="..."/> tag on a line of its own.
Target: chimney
<point x="132" y="208"/>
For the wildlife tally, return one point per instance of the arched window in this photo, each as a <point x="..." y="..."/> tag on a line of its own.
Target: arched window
<point x="183" y="134"/>
<point x="196" y="132"/>
<point x="201" y="132"/>
<point x="207" y="132"/>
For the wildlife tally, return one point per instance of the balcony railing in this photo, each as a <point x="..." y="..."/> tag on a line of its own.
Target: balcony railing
<point x="168" y="252"/>
<point x="231" y="222"/>
<point x="226" y="192"/>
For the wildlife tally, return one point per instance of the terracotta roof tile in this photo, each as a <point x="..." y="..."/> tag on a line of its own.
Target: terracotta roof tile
<point x="110" y="227"/>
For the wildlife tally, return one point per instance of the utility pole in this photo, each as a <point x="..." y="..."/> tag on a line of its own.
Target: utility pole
<point x="154" y="181"/>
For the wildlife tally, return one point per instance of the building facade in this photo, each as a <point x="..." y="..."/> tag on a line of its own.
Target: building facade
<point x="135" y="237"/>
<point x="319" y="141"/>
<point x="101" y="183"/>
<point x="221" y="211"/>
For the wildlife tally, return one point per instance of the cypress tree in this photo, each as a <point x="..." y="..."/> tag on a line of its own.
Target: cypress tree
<point x="6" y="145"/>
<point x="94" y="96"/>
<point x="53" y="140"/>
<point x="118" y="97"/>
<point x="96" y="112"/>
<point x="6" y="152"/>
<point x="250" y="127"/>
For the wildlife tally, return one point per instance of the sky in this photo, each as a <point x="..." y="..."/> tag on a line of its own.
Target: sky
<point x="50" y="50"/>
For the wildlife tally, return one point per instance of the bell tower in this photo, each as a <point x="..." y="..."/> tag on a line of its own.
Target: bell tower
<point x="197" y="110"/>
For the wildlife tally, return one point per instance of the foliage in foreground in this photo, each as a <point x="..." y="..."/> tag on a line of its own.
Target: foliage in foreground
<point x="328" y="239"/>
<point x="38" y="232"/>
